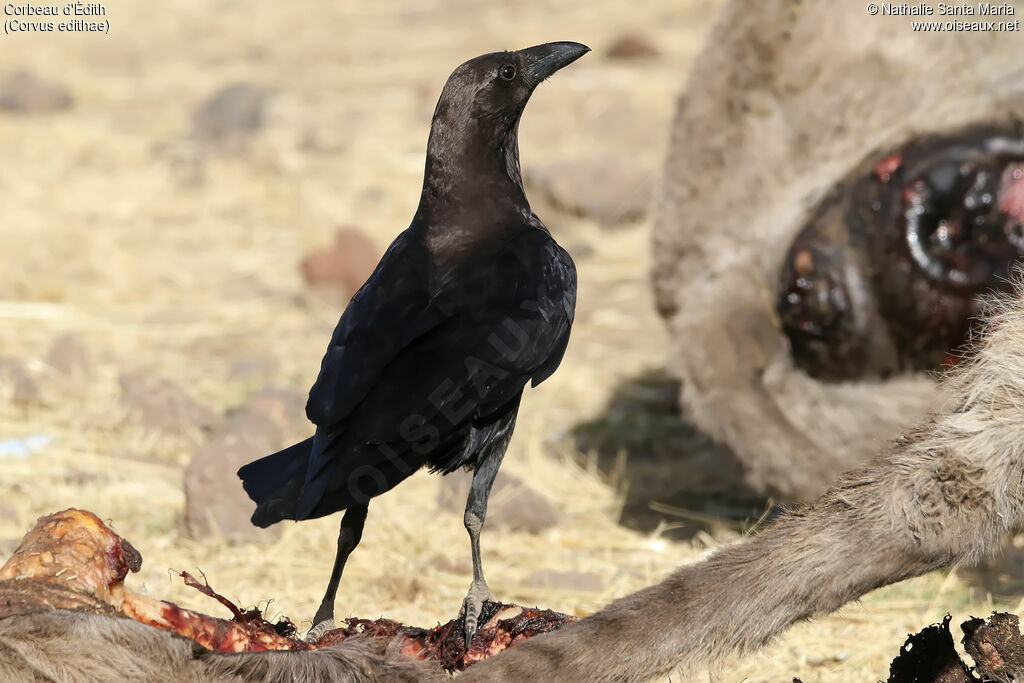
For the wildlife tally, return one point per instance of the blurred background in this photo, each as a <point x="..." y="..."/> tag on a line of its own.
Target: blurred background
<point x="186" y="204"/>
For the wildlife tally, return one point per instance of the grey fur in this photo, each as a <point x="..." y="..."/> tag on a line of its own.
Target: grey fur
<point x="67" y="646"/>
<point x="785" y="98"/>
<point x="943" y="493"/>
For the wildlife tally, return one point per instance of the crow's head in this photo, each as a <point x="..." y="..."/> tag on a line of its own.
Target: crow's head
<point x="477" y="115"/>
<point x="498" y="85"/>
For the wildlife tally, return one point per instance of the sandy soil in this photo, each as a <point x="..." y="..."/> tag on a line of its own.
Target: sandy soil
<point x="168" y="259"/>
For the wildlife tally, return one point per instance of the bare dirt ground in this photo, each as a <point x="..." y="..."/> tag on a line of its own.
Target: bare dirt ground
<point x="168" y="259"/>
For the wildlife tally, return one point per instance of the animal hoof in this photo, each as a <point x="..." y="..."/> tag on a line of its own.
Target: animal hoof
<point x="318" y="631"/>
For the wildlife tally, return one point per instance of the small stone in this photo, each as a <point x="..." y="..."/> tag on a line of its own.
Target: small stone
<point x="570" y="580"/>
<point x="235" y="110"/>
<point x="26" y="93"/>
<point x="216" y="505"/>
<point x="157" y="404"/>
<point x="603" y="189"/>
<point x="345" y="265"/>
<point x="68" y="355"/>
<point x="266" y="419"/>
<point x="512" y="505"/>
<point x="632" y="46"/>
<point x="16" y="382"/>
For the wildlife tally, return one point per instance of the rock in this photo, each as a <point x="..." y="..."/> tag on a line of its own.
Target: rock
<point x="266" y="419"/>
<point x="235" y="111"/>
<point x="632" y="46"/>
<point x="26" y="93"/>
<point x="16" y="382"/>
<point x="572" y="581"/>
<point x="158" y="404"/>
<point x="345" y="265"/>
<point x="68" y="355"/>
<point x="513" y="505"/>
<point x="245" y="425"/>
<point x="607" y="190"/>
<point x="215" y="503"/>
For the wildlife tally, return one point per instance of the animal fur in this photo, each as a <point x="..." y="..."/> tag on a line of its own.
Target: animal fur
<point x="942" y="493"/>
<point x="787" y="96"/>
<point x="66" y="646"/>
<point x="784" y="100"/>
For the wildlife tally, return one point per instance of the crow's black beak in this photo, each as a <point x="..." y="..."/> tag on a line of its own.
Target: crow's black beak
<point x="540" y="61"/>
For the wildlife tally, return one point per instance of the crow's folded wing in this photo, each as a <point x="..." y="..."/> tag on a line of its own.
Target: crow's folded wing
<point x="513" y="327"/>
<point x="496" y="326"/>
<point x="392" y="309"/>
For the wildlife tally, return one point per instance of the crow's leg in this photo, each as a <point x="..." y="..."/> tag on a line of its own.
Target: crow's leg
<point x="348" y="538"/>
<point x="476" y="512"/>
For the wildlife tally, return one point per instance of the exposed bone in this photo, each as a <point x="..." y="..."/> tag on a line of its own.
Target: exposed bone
<point x="71" y="560"/>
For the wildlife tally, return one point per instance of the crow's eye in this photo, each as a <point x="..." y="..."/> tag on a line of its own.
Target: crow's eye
<point x="507" y="72"/>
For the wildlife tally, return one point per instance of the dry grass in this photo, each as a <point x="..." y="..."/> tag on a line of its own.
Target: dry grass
<point x="108" y="232"/>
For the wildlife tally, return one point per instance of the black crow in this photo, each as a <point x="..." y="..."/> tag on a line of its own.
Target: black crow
<point x="428" y="363"/>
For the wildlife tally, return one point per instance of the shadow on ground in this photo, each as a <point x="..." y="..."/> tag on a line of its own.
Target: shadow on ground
<point x="1001" y="576"/>
<point x="676" y="476"/>
<point x="672" y="473"/>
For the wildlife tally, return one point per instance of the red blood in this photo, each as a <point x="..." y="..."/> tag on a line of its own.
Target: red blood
<point x="886" y="167"/>
<point x="1011" y="192"/>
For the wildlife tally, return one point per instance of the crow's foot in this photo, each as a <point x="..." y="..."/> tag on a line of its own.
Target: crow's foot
<point x="472" y="605"/>
<point x="318" y="631"/>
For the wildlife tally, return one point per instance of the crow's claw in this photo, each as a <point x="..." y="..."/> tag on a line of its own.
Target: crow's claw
<point x="471" y="607"/>
<point x="318" y="631"/>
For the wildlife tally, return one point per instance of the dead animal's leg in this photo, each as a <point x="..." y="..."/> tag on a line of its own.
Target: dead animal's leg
<point x="944" y="493"/>
<point x="898" y="518"/>
<point x="476" y="513"/>
<point x="348" y="538"/>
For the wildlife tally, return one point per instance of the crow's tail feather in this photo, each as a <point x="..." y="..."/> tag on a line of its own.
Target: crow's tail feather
<point x="275" y="483"/>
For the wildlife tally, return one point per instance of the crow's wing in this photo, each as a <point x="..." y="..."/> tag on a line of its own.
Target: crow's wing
<point x="511" y="325"/>
<point x="392" y="309"/>
<point x="505" y="321"/>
